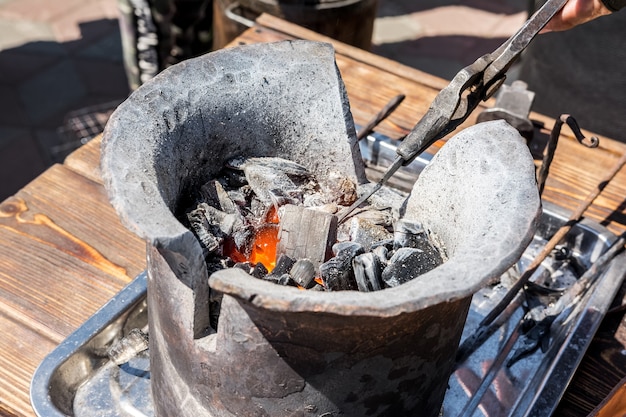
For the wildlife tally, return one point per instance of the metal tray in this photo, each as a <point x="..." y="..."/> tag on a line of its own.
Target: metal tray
<point x="77" y="378"/>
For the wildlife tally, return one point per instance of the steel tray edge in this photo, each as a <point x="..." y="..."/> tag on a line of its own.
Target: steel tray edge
<point x="42" y="380"/>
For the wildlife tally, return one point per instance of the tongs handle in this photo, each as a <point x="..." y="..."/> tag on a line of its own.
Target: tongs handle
<point x="473" y="84"/>
<point x="470" y="86"/>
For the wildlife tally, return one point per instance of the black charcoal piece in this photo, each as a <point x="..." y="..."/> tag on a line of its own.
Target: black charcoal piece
<point x="349" y="246"/>
<point x="286" y="280"/>
<point x="246" y="266"/>
<point x="337" y="274"/>
<point x="283" y="279"/>
<point x="272" y="177"/>
<point x="303" y="272"/>
<point x="382" y="252"/>
<point x="215" y="196"/>
<point x="233" y="178"/>
<point x="407" y="264"/>
<point x="283" y="264"/>
<point x="259" y="271"/>
<point x="368" y="272"/>
<point x="409" y="234"/>
<point x="366" y="232"/>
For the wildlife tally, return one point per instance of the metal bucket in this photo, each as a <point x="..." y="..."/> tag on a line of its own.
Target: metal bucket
<point x="349" y="21"/>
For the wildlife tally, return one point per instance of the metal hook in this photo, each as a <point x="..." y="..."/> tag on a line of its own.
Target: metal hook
<point x="592" y="142"/>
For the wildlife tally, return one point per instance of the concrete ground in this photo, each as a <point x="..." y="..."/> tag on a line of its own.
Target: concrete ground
<point x="61" y="62"/>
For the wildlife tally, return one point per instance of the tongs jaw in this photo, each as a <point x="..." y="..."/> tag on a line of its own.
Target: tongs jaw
<point x="473" y="84"/>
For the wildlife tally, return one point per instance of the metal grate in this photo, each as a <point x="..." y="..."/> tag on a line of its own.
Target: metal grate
<point x="80" y="126"/>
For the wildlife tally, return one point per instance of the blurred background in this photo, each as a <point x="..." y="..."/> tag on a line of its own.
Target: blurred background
<point x="62" y="69"/>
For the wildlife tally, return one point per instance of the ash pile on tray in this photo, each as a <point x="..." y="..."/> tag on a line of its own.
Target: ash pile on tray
<point x="272" y="218"/>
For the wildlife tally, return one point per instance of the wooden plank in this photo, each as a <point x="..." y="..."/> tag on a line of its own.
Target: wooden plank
<point x="80" y="208"/>
<point x="86" y="160"/>
<point x="63" y="254"/>
<point x="576" y="171"/>
<point x="23" y="348"/>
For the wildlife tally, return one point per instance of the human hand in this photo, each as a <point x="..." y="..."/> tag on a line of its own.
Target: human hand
<point x="574" y="13"/>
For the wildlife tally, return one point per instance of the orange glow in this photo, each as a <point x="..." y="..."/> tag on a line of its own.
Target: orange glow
<point x="272" y="215"/>
<point x="264" y="246"/>
<point x="231" y="251"/>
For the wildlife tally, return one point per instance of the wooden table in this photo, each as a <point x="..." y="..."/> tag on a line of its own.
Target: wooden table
<point x="64" y="253"/>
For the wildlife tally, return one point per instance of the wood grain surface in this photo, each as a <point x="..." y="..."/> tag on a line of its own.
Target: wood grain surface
<point x="64" y="252"/>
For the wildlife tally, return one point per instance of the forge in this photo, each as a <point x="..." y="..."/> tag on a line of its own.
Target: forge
<point x="280" y="351"/>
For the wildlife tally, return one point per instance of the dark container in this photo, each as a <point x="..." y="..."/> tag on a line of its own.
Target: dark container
<point x="349" y="21"/>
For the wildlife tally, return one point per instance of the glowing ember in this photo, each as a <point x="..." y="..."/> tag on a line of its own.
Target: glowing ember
<point x="230" y="250"/>
<point x="264" y="246"/>
<point x="272" y="215"/>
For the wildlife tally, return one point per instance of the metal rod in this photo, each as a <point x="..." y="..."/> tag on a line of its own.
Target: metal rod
<point x="390" y="171"/>
<point x="588" y="278"/>
<point x="229" y="12"/>
<point x="491" y="374"/>
<point x="555" y="240"/>
<point x="482" y="334"/>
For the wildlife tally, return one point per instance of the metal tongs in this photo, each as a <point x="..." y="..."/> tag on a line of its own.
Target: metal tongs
<point x="473" y="84"/>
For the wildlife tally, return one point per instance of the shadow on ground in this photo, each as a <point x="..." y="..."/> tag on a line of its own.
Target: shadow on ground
<point x="41" y="83"/>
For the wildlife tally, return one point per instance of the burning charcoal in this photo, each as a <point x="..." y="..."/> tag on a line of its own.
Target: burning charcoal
<point x="280" y="197"/>
<point x="259" y="271"/>
<point x="303" y="272"/>
<point x="367" y="272"/>
<point x="205" y="231"/>
<point x="306" y="233"/>
<point x="407" y="264"/>
<point x="337" y="274"/>
<point x="339" y="189"/>
<point x="239" y="197"/>
<point x="367" y="233"/>
<point x="215" y="196"/>
<point x="212" y="225"/>
<point x="242" y="236"/>
<point x="284" y="264"/>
